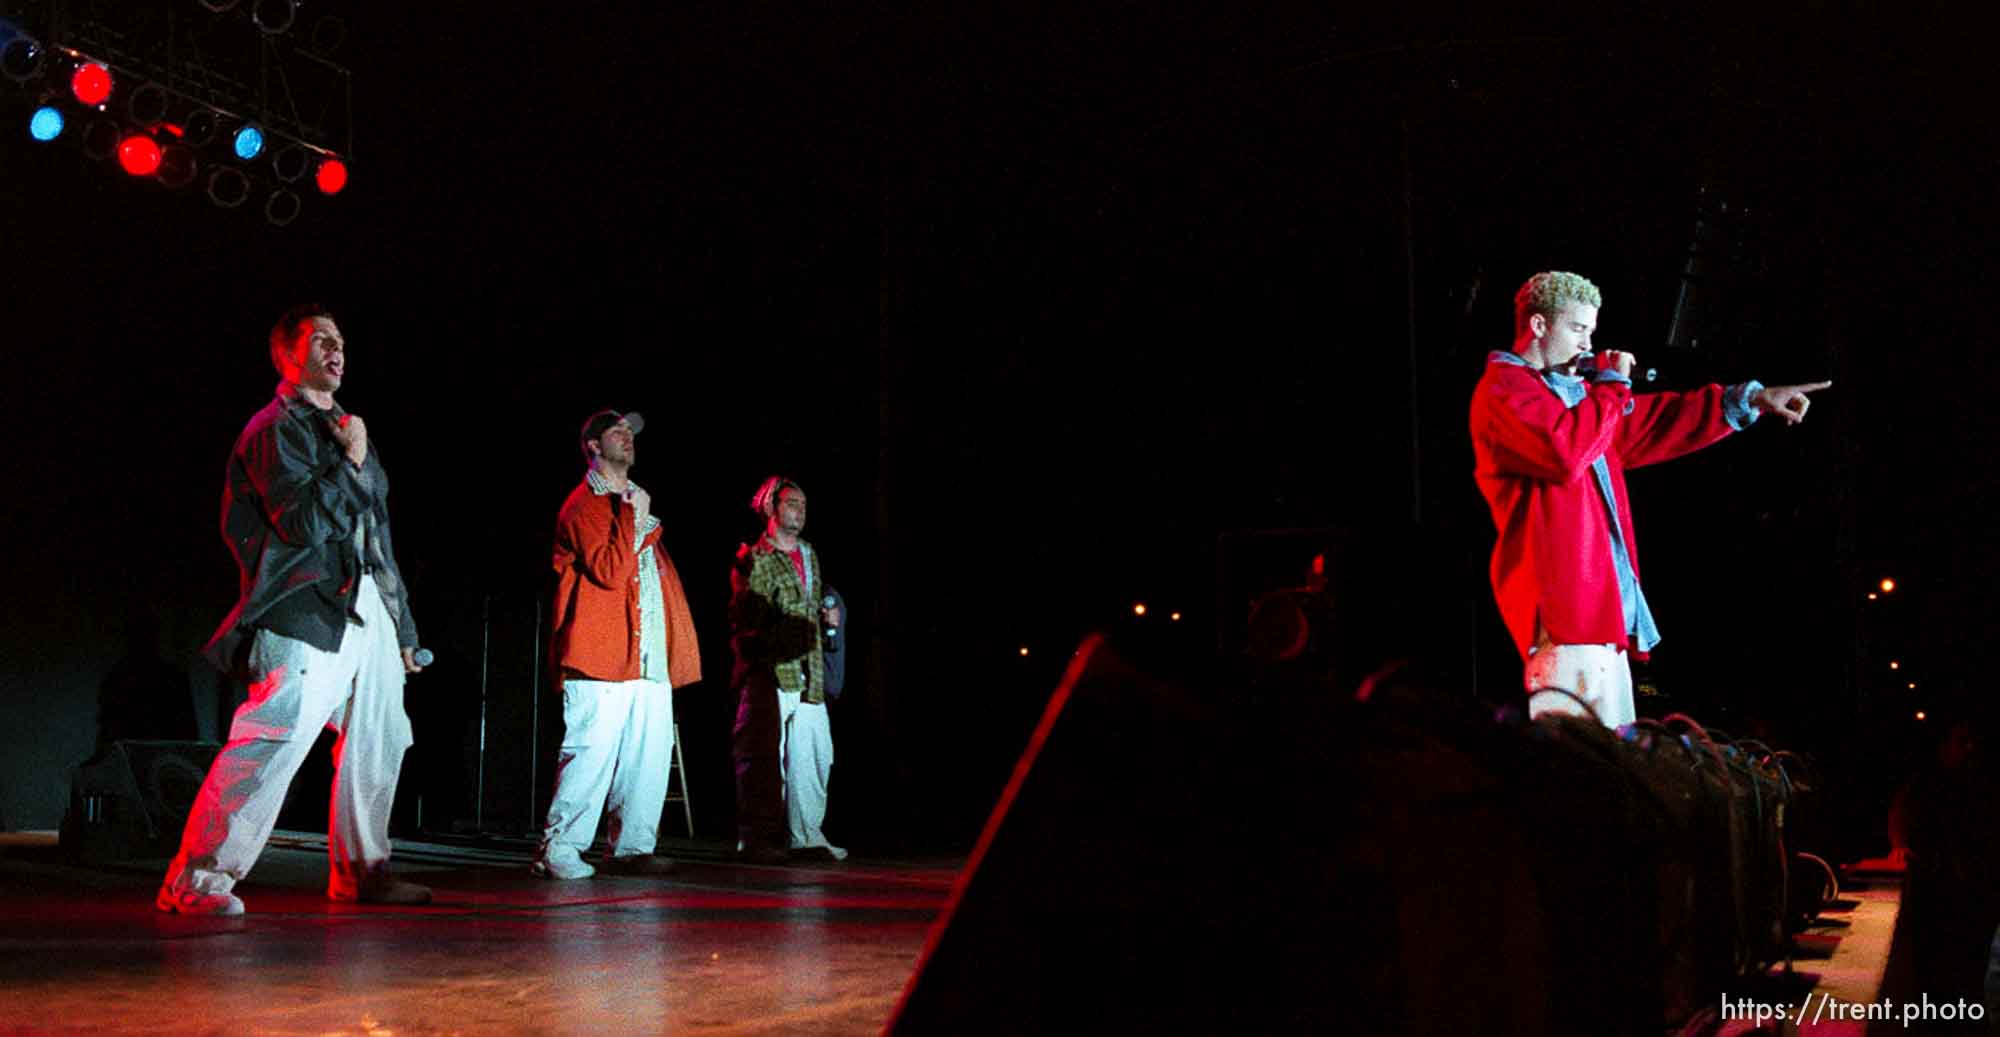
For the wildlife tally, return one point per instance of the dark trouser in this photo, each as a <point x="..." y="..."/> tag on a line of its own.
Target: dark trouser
<point x="760" y="779"/>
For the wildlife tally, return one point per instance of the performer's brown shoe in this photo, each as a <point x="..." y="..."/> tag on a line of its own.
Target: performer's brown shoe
<point x="636" y="864"/>
<point x="382" y="889"/>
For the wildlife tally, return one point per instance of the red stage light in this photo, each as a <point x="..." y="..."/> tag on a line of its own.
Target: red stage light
<point x="332" y="176"/>
<point x="91" y="84"/>
<point x="139" y="155"/>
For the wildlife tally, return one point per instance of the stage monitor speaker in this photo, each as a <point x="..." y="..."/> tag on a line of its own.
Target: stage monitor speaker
<point x="1141" y="873"/>
<point x="132" y="799"/>
<point x="1217" y="859"/>
<point x="1323" y="608"/>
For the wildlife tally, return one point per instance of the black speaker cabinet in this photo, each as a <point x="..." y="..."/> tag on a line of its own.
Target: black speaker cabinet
<point x="1128" y="880"/>
<point x="1174" y="855"/>
<point x="132" y="799"/>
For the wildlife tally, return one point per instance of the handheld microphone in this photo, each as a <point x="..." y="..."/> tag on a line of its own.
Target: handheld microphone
<point x="422" y="657"/>
<point x="1586" y="363"/>
<point x="827" y="603"/>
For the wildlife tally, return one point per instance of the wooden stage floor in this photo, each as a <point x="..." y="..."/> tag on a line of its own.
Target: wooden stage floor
<point x="717" y="947"/>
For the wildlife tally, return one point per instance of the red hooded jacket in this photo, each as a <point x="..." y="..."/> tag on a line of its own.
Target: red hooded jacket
<point x="1532" y="459"/>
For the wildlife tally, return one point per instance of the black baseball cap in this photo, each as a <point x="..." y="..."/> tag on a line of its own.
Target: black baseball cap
<point x="599" y="423"/>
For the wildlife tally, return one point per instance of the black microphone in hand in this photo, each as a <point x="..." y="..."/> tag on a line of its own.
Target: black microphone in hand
<point x="827" y="628"/>
<point x="1586" y="365"/>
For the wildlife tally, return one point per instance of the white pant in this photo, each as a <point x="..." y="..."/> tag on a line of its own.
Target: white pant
<point x="358" y="693"/>
<point x="618" y="743"/>
<point x="805" y="751"/>
<point x="1598" y="674"/>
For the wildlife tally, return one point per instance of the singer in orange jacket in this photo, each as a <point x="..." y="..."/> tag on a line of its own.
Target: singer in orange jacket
<point x="623" y="641"/>
<point x="597" y="594"/>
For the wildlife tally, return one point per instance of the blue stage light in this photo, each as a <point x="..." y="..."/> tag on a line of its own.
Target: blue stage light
<point x="249" y="143"/>
<point x="47" y="124"/>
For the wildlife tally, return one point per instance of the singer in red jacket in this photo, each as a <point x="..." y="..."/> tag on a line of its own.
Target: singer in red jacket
<point x="1551" y="446"/>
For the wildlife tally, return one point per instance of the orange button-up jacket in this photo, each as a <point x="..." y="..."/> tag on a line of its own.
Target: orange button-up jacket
<point x="596" y="615"/>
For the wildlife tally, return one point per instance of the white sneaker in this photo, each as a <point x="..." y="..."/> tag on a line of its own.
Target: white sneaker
<point x="562" y="866"/>
<point x="195" y="902"/>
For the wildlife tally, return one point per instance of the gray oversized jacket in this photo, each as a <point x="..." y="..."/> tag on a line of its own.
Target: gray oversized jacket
<point x="291" y="506"/>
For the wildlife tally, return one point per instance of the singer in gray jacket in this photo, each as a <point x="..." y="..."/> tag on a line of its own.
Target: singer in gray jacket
<point x="322" y="631"/>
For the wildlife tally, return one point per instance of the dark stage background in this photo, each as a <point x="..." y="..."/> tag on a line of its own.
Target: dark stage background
<point x="1037" y="301"/>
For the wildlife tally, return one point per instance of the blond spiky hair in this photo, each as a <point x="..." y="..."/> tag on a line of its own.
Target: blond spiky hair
<point x="1547" y="293"/>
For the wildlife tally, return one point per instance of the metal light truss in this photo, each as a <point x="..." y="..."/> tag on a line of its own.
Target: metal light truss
<point x="218" y="59"/>
<point x="195" y="66"/>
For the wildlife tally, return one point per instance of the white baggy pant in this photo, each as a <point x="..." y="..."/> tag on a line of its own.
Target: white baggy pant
<point x="357" y="692"/>
<point x="617" y="747"/>
<point x="1598" y="674"/>
<point x="805" y="751"/>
